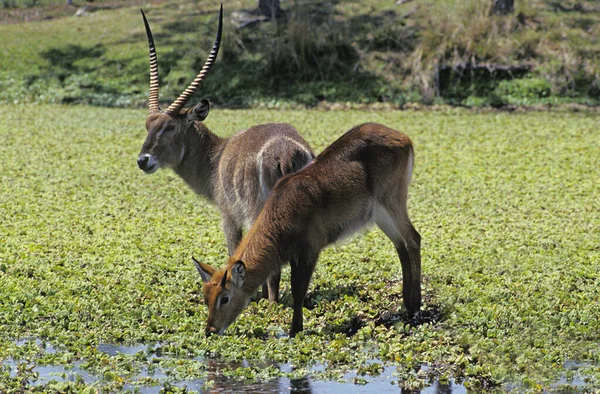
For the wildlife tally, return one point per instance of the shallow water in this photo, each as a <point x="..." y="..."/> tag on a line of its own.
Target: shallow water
<point x="571" y="377"/>
<point x="48" y="373"/>
<point x="113" y="350"/>
<point x="386" y="382"/>
<point x="46" y="347"/>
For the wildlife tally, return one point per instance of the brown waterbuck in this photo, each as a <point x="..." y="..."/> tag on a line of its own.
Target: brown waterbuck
<point x="362" y="177"/>
<point x="236" y="173"/>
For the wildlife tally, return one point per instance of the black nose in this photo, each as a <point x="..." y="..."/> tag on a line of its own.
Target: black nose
<point x="142" y="161"/>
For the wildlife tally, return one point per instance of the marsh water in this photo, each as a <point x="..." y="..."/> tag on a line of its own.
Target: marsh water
<point x="386" y="382"/>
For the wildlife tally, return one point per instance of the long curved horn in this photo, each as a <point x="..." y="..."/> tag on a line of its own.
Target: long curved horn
<point x="153" y="94"/>
<point x="185" y="96"/>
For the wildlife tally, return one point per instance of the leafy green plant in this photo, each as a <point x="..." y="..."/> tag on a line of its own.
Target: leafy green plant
<point x="523" y="91"/>
<point x="95" y="252"/>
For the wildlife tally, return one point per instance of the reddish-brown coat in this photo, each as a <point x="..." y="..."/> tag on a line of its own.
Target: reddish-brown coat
<point x="362" y="177"/>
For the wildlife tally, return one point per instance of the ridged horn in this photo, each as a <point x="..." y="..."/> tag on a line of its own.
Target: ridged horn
<point x="185" y="96"/>
<point x="153" y="93"/>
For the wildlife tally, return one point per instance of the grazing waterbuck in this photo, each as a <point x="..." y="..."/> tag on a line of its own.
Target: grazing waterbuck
<point x="236" y="173"/>
<point x="362" y="177"/>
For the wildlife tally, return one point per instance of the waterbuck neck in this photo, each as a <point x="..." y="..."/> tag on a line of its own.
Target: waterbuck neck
<point x="201" y="151"/>
<point x="262" y="251"/>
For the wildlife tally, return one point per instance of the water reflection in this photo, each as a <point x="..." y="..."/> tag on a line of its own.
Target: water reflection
<point x="440" y="388"/>
<point x="222" y="384"/>
<point x="216" y="380"/>
<point x="300" y="386"/>
<point x="383" y="383"/>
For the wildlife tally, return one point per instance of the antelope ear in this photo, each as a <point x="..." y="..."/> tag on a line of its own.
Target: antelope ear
<point x="224" y="280"/>
<point x="200" y="111"/>
<point x="205" y="270"/>
<point x="238" y="273"/>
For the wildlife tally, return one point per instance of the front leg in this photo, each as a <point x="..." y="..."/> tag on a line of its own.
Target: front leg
<point x="302" y="269"/>
<point x="233" y="233"/>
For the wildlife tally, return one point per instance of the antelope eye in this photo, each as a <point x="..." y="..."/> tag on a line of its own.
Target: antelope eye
<point x="224" y="300"/>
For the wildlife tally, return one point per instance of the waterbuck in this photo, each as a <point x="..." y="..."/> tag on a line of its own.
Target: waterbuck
<point x="362" y="177"/>
<point x="236" y="173"/>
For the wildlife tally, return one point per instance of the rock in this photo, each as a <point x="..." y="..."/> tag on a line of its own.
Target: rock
<point x="84" y="11"/>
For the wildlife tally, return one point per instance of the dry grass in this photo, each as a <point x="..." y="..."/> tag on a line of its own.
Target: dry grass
<point x="451" y="34"/>
<point x="347" y="51"/>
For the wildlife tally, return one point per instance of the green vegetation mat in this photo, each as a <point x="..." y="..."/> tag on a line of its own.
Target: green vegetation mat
<point x="94" y="253"/>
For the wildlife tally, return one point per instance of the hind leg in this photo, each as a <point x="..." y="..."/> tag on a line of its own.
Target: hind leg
<point x="270" y="289"/>
<point x="393" y="220"/>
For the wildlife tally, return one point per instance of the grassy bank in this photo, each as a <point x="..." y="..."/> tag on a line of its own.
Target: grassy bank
<point x="362" y="52"/>
<point x="94" y="252"/>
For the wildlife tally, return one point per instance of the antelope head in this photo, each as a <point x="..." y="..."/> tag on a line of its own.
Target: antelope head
<point x="164" y="145"/>
<point x="223" y="294"/>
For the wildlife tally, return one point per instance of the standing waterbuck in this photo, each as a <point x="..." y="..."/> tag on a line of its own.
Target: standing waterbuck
<point x="362" y="177"/>
<point x="237" y="173"/>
